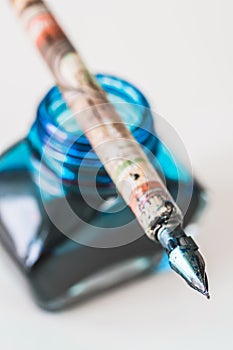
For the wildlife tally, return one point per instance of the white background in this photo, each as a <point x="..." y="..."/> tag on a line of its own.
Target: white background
<point x="180" y="54"/>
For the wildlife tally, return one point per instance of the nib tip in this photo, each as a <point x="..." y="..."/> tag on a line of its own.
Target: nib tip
<point x="207" y="295"/>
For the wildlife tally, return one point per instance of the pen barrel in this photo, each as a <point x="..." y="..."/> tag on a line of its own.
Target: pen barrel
<point x="135" y="178"/>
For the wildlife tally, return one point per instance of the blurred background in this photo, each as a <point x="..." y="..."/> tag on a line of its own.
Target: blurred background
<point x="179" y="53"/>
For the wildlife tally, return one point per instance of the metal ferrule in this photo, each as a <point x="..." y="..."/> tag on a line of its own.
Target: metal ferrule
<point x="170" y="239"/>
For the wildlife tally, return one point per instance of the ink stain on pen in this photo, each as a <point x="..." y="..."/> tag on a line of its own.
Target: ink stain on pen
<point x="135" y="176"/>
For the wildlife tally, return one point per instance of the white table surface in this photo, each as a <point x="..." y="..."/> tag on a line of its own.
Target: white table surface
<point x="180" y="54"/>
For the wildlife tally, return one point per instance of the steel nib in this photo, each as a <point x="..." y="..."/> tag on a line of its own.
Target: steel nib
<point x="184" y="257"/>
<point x="188" y="263"/>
